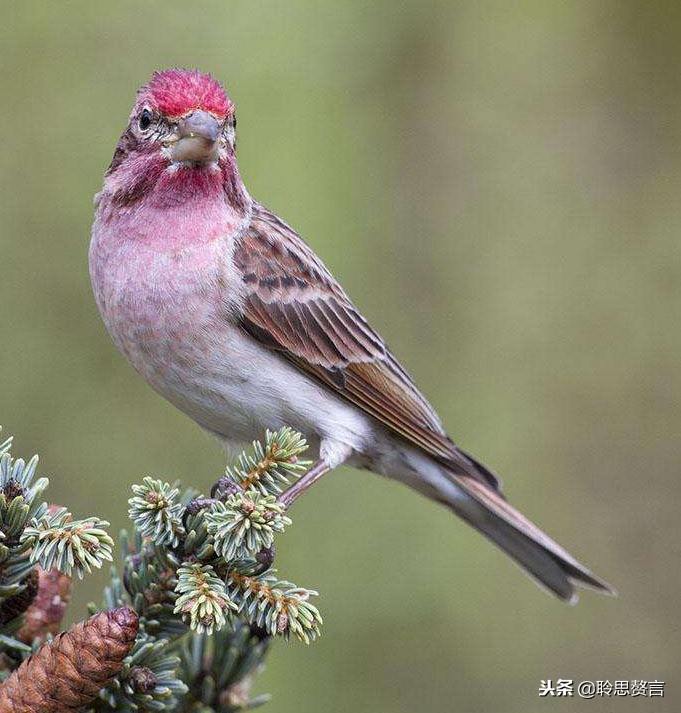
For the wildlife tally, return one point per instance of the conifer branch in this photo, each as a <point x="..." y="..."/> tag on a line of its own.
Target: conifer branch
<point x="6" y="445"/>
<point x="277" y="606"/>
<point x="219" y="669"/>
<point x="148" y="678"/>
<point x="203" y="598"/>
<point x="15" y="606"/>
<point x="245" y="523"/>
<point x="149" y="580"/>
<point x="272" y="465"/>
<point x="156" y="512"/>
<point x="192" y="578"/>
<point x="20" y="501"/>
<point x="68" y="545"/>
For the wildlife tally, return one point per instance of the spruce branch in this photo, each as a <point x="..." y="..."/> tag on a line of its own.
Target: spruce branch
<point x="20" y="473"/>
<point x="156" y="512"/>
<point x="68" y="545"/>
<point x="32" y="601"/>
<point x="277" y="606"/>
<point x="149" y="580"/>
<point x="67" y="673"/>
<point x="198" y="543"/>
<point x="195" y="576"/>
<point x="220" y="668"/>
<point x="20" y="501"/>
<point x="245" y="523"/>
<point x="203" y="598"/>
<point x="5" y="445"/>
<point x="15" y="567"/>
<point x="272" y="465"/>
<point x="148" y="679"/>
<point x="15" y="606"/>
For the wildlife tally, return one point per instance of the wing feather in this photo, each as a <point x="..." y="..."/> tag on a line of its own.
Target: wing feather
<point x="294" y="305"/>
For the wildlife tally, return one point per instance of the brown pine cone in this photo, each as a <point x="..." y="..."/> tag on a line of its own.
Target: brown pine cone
<point x="45" y="614"/>
<point x="67" y="673"/>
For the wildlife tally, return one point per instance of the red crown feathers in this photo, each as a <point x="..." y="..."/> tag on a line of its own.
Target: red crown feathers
<point x="174" y="92"/>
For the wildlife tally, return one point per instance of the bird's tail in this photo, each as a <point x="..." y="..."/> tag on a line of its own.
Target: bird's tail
<point x="484" y="507"/>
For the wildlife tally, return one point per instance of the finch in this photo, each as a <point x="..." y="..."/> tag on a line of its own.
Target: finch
<point x="229" y="315"/>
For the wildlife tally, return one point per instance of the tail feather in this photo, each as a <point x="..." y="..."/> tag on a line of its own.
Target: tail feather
<point x="545" y="560"/>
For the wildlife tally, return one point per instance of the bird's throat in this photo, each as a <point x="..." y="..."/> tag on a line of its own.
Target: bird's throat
<point x="168" y="206"/>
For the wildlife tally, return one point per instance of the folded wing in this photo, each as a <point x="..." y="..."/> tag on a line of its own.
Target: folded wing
<point x="294" y="305"/>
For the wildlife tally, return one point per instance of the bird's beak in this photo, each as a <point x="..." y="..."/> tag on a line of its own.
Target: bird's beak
<point x="198" y="138"/>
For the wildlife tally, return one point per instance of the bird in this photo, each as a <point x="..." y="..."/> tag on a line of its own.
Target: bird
<point x="226" y="312"/>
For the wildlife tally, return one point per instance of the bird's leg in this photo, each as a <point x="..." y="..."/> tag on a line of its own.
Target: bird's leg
<point x="301" y="485"/>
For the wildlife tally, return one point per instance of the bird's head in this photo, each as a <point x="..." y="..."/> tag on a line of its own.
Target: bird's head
<point x="181" y="132"/>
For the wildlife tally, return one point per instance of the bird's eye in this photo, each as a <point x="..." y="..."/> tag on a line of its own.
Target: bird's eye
<point x="145" y="120"/>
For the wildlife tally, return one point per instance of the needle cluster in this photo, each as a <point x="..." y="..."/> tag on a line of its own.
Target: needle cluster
<point x="40" y="548"/>
<point x="156" y="513"/>
<point x="272" y="465"/>
<point x="245" y="523"/>
<point x="195" y="588"/>
<point x="67" y="545"/>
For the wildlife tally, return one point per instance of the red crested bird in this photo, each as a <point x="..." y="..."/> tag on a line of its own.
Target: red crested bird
<point x="226" y="312"/>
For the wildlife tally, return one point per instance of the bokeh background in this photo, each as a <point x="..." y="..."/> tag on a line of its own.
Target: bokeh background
<point x="497" y="186"/>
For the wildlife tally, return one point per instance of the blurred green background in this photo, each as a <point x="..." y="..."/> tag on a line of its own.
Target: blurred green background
<point x="497" y="186"/>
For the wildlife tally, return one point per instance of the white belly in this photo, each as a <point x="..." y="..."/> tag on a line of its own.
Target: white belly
<point x="240" y="389"/>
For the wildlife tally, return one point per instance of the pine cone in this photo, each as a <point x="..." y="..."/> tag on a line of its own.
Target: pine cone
<point x="45" y="614"/>
<point x="67" y="673"/>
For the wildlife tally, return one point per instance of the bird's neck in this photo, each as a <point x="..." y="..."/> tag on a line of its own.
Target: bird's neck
<point x="172" y="207"/>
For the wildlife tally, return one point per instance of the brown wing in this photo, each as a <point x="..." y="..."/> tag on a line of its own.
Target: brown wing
<point x="294" y="305"/>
